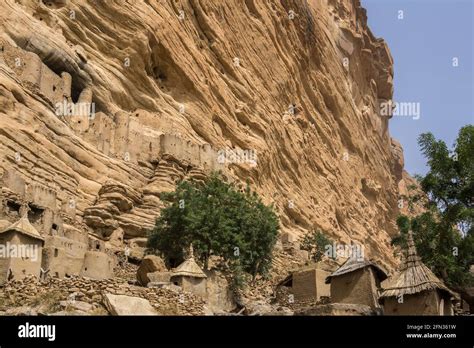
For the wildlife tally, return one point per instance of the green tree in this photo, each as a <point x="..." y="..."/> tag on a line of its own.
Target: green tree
<point x="315" y="243"/>
<point x="444" y="232"/>
<point x="217" y="219"/>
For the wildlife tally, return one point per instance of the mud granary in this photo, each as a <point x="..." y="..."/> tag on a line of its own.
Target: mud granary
<point x="20" y="250"/>
<point x="357" y="281"/>
<point x="415" y="289"/>
<point x="65" y="248"/>
<point x="304" y="285"/>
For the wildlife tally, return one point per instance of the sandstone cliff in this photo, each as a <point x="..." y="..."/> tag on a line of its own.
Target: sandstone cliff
<point x="169" y="84"/>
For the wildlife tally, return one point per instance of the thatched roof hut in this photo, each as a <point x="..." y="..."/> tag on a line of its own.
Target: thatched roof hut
<point x="353" y="264"/>
<point x="414" y="276"/>
<point x="190" y="276"/>
<point x="415" y="281"/>
<point x="189" y="268"/>
<point x="23" y="226"/>
<point x="357" y="281"/>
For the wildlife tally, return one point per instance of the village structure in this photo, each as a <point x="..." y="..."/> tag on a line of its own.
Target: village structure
<point x="31" y="215"/>
<point x="362" y="286"/>
<point x="189" y="276"/>
<point x="305" y="286"/>
<point x="415" y="290"/>
<point x="21" y="233"/>
<point x="357" y="281"/>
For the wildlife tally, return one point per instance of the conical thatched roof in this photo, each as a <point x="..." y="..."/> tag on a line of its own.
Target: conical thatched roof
<point x="189" y="268"/>
<point x="24" y="226"/>
<point x="414" y="276"/>
<point x="355" y="263"/>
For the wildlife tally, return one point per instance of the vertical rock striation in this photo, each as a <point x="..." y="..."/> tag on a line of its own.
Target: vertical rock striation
<point x="164" y="86"/>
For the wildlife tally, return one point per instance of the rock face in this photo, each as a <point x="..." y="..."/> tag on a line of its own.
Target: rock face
<point x="103" y="105"/>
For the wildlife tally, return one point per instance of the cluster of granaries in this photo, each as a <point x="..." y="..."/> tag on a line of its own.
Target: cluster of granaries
<point x="414" y="290"/>
<point x="22" y="253"/>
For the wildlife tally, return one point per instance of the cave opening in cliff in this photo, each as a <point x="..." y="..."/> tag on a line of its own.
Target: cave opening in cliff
<point x="76" y="89"/>
<point x="13" y="208"/>
<point x="35" y="214"/>
<point x="58" y="63"/>
<point x="159" y="74"/>
<point x="55" y="4"/>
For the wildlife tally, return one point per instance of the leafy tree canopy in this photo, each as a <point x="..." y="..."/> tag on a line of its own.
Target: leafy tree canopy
<point x="444" y="233"/>
<point x="217" y="219"/>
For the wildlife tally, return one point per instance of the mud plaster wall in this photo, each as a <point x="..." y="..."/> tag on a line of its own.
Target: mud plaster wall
<point x="21" y="266"/>
<point x="219" y="294"/>
<point x="36" y="75"/>
<point x="127" y="138"/>
<point x="355" y="287"/>
<point x="423" y="303"/>
<point x="97" y="265"/>
<point x="42" y="196"/>
<point x="310" y="284"/>
<point x="41" y="200"/>
<point x="63" y="256"/>
<point x="195" y="285"/>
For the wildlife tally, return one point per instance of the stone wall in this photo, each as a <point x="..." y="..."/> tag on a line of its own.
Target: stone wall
<point x="27" y="292"/>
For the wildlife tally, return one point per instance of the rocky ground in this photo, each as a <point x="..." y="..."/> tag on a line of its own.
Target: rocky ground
<point x="81" y="296"/>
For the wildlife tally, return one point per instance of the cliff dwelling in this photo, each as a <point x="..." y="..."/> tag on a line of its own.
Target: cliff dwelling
<point x="258" y="132"/>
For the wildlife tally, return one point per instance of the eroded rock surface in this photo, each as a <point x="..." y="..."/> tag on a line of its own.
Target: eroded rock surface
<point x="164" y="86"/>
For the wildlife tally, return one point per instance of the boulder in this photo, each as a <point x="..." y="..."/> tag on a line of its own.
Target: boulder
<point x="128" y="305"/>
<point x="257" y="308"/>
<point x="137" y="249"/>
<point x="149" y="264"/>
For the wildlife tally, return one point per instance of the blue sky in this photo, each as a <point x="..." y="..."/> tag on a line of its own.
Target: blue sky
<point x="423" y="45"/>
